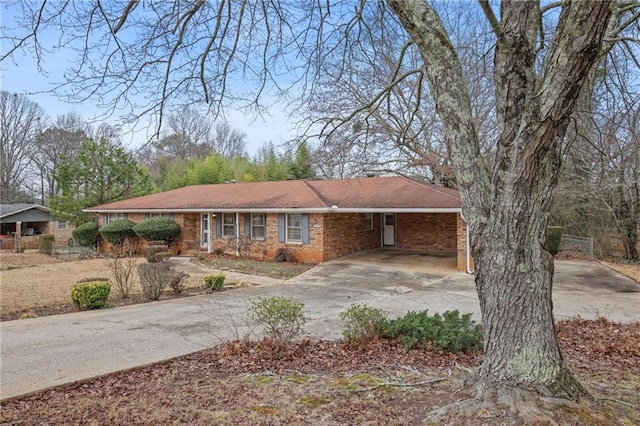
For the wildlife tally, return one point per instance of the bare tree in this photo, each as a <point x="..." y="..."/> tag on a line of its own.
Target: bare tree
<point x="20" y="121"/>
<point x="377" y="115"/>
<point x="599" y="189"/>
<point x="195" y="51"/>
<point x="58" y="142"/>
<point x="227" y="141"/>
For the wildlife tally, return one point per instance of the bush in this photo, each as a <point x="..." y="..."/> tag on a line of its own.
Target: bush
<point x="45" y="243"/>
<point x="87" y="234"/>
<point x="363" y="322"/>
<point x="553" y="238"/>
<point x="449" y="332"/>
<point x="177" y="281"/>
<point x="283" y="254"/>
<point x="154" y="278"/>
<point x="214" y="282"/>
<point x="158" y="229"/>
<point x="281" y="318"/>
<point x="90" y="295"/>
<point x="150" y="253"/>
<point x="118" y="231"/>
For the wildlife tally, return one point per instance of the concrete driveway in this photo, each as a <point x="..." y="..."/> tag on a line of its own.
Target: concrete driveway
<point x="49" y="351"/>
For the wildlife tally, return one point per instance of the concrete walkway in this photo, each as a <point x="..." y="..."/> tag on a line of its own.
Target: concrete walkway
<point x="43" y="352"/>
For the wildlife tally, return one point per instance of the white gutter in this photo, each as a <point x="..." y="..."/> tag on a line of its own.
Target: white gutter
<point x="286" y="210"/>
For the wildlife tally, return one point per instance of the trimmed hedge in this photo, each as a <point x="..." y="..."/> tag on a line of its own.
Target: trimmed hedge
<point x="552" y="240"/>
<point x="87" y="234"/>
<point x="118" y="231"/>
<point x="158" y="229"/>
<point x="90" y="295"/>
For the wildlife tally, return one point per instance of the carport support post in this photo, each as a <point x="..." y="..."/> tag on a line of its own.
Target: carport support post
<point x="17" y="242"/>
<point x="211" y="233"/>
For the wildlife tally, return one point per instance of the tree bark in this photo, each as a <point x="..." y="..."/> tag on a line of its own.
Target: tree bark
<point x="507" y="208"/>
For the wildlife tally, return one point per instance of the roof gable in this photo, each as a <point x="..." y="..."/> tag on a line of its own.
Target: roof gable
<point x="11" y="209"/>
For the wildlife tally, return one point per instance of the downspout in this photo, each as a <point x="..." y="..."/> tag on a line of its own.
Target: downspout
<point x="468" y="243"/>
<point x="237" y="234"/>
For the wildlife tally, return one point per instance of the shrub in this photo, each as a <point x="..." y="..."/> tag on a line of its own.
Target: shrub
<point x="45" y="243"/>
<point x="154" y="278"/>
<point x="118" y="231"/>
<point x="281" y="318"/>
<point x="158" y="229"/>
<point x="87" y="234"/>
<point x="449" y="332"/>
<point x="214" y="282"/>
<point x="150" y="253"/>
<point x="177" y="282"/>
<point x="90" y="295"/>
<point x="552" y="240"/>
<point x="122" y="265"/>
<point x="363" y="322"/>
<point x="283" y="254"/>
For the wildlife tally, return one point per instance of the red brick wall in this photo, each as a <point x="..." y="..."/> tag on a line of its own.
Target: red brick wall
<point x="331" y="236"/>
<point x="426" y="231"/>
<point x="266" y="249"/>
<point x="346" y="233"/>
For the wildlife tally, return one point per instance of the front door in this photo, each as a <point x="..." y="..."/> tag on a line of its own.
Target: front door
<point x="389" y="229"/>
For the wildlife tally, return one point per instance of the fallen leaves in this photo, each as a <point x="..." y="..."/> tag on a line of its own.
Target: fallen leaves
<point x="322" y="382"/>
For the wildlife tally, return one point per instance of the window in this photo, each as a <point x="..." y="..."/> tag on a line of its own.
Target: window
<point x="368" y="219"/>
<point x="204" y="230"/>
<point x="167" y="215"/>
<point x="294" y="228"/>
<point x="62" y="225"/>
<point x="110" y="217"/>
<point x="228" y="225"/>
<point x="258" y="226"/>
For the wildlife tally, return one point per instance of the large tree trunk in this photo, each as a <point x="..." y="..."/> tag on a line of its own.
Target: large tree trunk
<point x="514" y="283"/>
<point x="506" y="208"/>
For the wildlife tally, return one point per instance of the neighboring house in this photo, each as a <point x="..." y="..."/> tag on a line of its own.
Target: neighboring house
<point x="27" y="221"/>
<point x="317" y="220"/>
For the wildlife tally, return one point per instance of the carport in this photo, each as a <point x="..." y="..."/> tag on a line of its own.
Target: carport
<point x="17" y="220"/>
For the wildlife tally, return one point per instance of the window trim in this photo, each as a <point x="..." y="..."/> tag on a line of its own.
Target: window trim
<point x="62" y="225"/>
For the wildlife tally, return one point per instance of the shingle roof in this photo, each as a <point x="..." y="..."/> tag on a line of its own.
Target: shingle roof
<point x="11" y="209"/>
<point x="312" y="195"/>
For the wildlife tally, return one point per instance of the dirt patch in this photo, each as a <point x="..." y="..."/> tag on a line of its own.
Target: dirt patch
<point x="279" y="270"/>
<point x="331" y="383"/>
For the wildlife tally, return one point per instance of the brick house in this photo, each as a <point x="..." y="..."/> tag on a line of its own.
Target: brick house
<point x="25" y="222"/>
<point x="317" y="220"/>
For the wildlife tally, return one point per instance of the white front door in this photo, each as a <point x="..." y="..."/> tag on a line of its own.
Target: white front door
<point x="388" y="229"/>
<point x="205" y="228"/>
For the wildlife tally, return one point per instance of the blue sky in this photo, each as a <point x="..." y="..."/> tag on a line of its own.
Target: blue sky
<point x="20" y="74"/>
